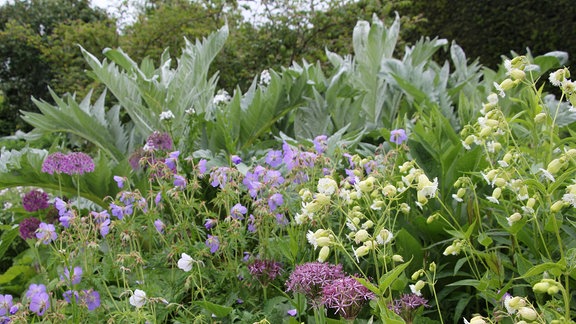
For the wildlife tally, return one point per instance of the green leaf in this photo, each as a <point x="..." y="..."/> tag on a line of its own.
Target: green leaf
<point x="13" y="272"/>
<point x="555" y="268"/>
<point x="484" y="239"/>
<point x="218" y="310"/>
<point x="8" y="236"/>
<point x="388" y="278"/>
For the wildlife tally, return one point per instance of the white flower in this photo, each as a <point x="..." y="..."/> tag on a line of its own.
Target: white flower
<point x="547" y="175"/>
<point x="185" y="263"/>
<point x="190" y="111"/>
<point x="166" y="115"/>
<point x="221" y="97"/>
<point x="138" y="299"/>
<point x="570" y="198"/>
<point x="500" y="90"/>
<point x="265" y="78"/>
<point x="385" y="236"/>
<point x="327" y="186"/>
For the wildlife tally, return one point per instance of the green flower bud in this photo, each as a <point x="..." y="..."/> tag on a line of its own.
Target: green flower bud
<point x="527" y="313"/>
<point x="541" y="287"/>
<point x="540" y="118"/>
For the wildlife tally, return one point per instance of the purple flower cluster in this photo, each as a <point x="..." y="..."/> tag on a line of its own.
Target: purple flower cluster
<point x="39" y="299"/>
<point x="35" y="200"/>
<point x="213" y="243"/>
<point x="265" y="271"/>
<point x="407" y="305"/>
<point x="73" y="278"/>
<point x="346" y="296"/>
<point x="128" y="202"/>
<point x="71" y="163"/>
<point x="7" y="307"/>
<point x="159" y="141"/>
<point x="238" y="211"/>
<point x="65" y="212"/>
<point x="320" y="143"/>
<point x="293" y="158"/>
<point x="310" y="278"/>
<point x="261" y="178"/>
<point x="28" y="227"/>
<point x="220" y="177"/>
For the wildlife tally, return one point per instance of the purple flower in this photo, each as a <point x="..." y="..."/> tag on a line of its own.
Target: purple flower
<point x="310" y="278"/>
<point x="179" y="181"/>
<point x="39" y="303"/>
<point x="219" y="177"/>
<point x="320" y="143"/>
<point x="159" y="226"/>
<point x="290" y="157"/>
<point x="292" y="312"/>
<point x="202" y="166"/>
<point x="158" y="198"/>
<point x="273" y="178"/>
<point x="28" y="227"/>
<point x="35" y="200"/>
<point x="65" y="218"/>
<point x="265" y="271"/>
<point x="236" y="159"/>
<point x="35" y="289"/>
<point x="5" y="304"/>
<point x="104" y="227"/>
<point x="210" y="223"/>
<point x="159" y="141"/>
<point x="238" y="211"/>
<point x="275" y="201"/>
<point x="346" y="296"/>
<point x="102" y="220"/>
<point x="54" y="163"/>
<point x="246" y="256"/>
<point x="91" y="298"/>
<point x="251" y="224"/>
<point x="67" y="295"/>
<point x="46" y="233"/>
<point x="407" y="306"/>
<point x="281" y="220"/>
<point x="398" y="136"/>
<point x="171" y="160"/>
<point x="213" y="243"/>
<point x="76" y="275"/>
<point x="120" y="181"/>
<point x="79" y="163"/>
<point x="121" y="211"/>
<point x="274" y="158"/>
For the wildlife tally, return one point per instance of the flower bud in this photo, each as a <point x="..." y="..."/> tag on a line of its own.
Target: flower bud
<point x="527" y="313"/>
<point x="513" y="218"/>
<point x="477" y="320"/>
<point x="432" y="267"/>
<point x="323" y="255"/>
<point x="553" y="290"/>
<point x="397" y="258"/>
<point x="541" y="287"/>
<point x="417" y="275"/>
<point x="361" y="236"/>
<point x="419" y="285"/>
<point x="507" y="84"/>
<point x="557" y="206"/>
<point x="540" y="118"/>
<point x="517" y="74"/>
<point x="554" y="166"/>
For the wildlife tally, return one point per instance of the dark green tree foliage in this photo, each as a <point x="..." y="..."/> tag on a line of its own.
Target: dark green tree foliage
<point x="27" y="63"/>
<point x="490" y="28"/>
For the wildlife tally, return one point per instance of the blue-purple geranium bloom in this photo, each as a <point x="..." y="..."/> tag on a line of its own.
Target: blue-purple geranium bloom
<point x="73" y="279"/>
<point x="398" y="136"/>
<point x="213" y="243"/>
<point x="275" y="201"/>
<point x="274" y="158"/>
<point x="320" y="143"/>
<point x="238" y="211"/>
<point x="179" y="181"/>
<point x="236" y="159"/>
<point x="46" y="233"/>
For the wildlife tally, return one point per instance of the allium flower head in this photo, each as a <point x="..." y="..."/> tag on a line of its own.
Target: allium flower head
<point x="398" y="136"/>
<point x="46" y="233"/>
<point x="346" y="296"/>
<point x="310" y="278"/>
<point x="407" y="306"/>
<point x="79" y="163"/>
<point x="28" y="227"/>
<point x="160" y="141"/>
<point x="54" y="163"/>
<point x="35" y="200"/>
<point x="265" y="271"/>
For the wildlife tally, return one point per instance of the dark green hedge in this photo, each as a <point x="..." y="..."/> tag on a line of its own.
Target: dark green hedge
<point x="490" y="28"/>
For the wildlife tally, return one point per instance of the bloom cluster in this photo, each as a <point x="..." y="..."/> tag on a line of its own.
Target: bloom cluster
<point x="76" y="163"/>
<point x="35" y="200"/>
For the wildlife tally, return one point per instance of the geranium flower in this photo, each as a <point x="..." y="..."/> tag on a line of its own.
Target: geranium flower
<point x="46" y="233"/>
<point x="185" y="263"/>
<point x="138" y="299"/>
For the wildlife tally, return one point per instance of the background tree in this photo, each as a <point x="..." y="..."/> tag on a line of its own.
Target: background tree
<point x="36" y="50"/>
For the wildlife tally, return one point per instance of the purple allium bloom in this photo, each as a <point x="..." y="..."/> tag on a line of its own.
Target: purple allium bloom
<point x="35" y="289"/>
<point x="320" y="143"/>
<point x="120" y="181"/>
<point x="76" y="275"/>
<point x="202" y="166"/>
<point x="79" y="163"/>
<point x="46" y="233"/>
<point x="309" y="279"/>
<point x="179" y="181"/>
<point x="54" y="163"/>
<point x="28" y="227"/>
<point x="398" y="136"/>
<point x="274" y="158"/>
<point x="236" y="159"/>
<point x="346" y="296"/>
<point x="213" y="243"/>
<point x="35" y="200"/>
<point x="292" y="312"/>
<point x="251" y="224"/>
<point x="275" y="201"/>
<point x="210" y="223"/>
<point x="91" y="298"/>
<point x="159" y="141"/>
<point x="39" y="303"/>
<point x="238" y="211"/>
<point x="5" y="304"/>
<point x="159" y="226"/>
<point x="265" y="271"/>
<point x="407" y="305"/>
